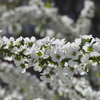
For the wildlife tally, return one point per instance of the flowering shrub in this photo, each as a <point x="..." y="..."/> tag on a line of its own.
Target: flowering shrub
<point x="28" y="87"/>
<point x="79" y="89"/>
<point x="47" y="21"/>
<point x="56" y="59"/>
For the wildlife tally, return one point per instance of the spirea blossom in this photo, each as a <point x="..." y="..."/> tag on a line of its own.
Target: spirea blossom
<point x="48" y="52"/>
<point x="57" y="54"/>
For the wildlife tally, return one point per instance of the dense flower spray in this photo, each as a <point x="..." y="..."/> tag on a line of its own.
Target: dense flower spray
<point x="65" y="57"/>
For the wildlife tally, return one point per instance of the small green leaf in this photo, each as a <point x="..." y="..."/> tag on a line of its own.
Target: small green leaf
<point x="30" y="44"/>
<point x="97" y="74"/>
<point x="1" y="52"/>
<point x="9" y="55"/>
<point x="86" y="68"/>
<point x="88" y="40"/>
<point x="18" y="58"/>
<point x="30" y="98"/>
<point x="47" y="75"/>
<point x="90" y="49"/>
<point x="22" y="65"/>
<point x="24" y="89"/>
<point x="41" y="47"/>
<point x="48" y="5"/>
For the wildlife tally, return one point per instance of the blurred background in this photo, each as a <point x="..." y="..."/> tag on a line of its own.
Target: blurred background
<point x="71" y="8"/>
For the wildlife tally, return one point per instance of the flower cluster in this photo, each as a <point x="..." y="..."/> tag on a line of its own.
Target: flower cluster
<point x="86" y="14"/>
<point x="66" y="58"/>
<point x="10" y="95"/>
<point x="79" y="89"/>
<point x="13" y="95"/>
<point x="28" y="86"/>
<point x="46" y="21"/>
<point x="22" y="86"/>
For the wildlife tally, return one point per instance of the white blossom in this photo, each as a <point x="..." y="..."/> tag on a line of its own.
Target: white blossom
<point x="57" y="54"/>
<point x="73" y="53"/>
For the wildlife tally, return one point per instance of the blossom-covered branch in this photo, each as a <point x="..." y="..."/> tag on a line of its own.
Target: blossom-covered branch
<point x="65" y="57"/>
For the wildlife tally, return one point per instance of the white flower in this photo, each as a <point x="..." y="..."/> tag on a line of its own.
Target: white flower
<point x="37" y="67"/>
<point x="85" y="59"/>
<point x="96" y="48"/>
<point x="8" y="98"/>
<point x="72" y="64"/>
<point x="72" y="94"/>
<point x="81" y="69"/>
<point x="92" y="54"/>
<point x="86" y="46"/>
<point x="2" y="91"/>
<point x="68" y="71"/>
<point x="97" y="39"/>
<point x="33" y="52"/>
<point x="73" y="53"/>
<point x="59" y="42"/>
<point x="66" y="20"/>
<point x="1" y="31"/>
<point x="44" y="78"/>
<point x="45" y="40"/>
<point x="15" y="29"/>
<point x="50" y="32"/>
<point x="77" y="42"/>
<point x="47" y="53"/>
<point x="71" y="69"/>
<point x="22" y="61"/>
<point x="17" y="42"/>
<point x="24" y="70"/>
<point x="7" y="42"/>
<point x="26" y="40"/>
<point x="33" y="39"/>
<point x="89" y="9"/>
<point x="86" y="36"/>
<point x="59" y="70"/>
<point x="9" y="58"/>
<point x="57" y="54"/>
<point x="1" y="41"/>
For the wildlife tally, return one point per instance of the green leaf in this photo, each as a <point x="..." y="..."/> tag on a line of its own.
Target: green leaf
<point x="97" y="74"/>
<point x="22" y="65"/>
<point x="48" y="5"/>
<point x="11" y="45"/>
<point x="41" y="47"/>
<point x="24" y="89"/>
<point x="86" y="68"/>
<point x="62" y="64"/>
<point x="90" y="49"/>
<point x="18" y="58"/>
<point x="9" y="55"/>
<point x="47" y="75"/>
<point x="30" y="98"/>
<point x="30" y="44"/>
<point x="88" y="40"/>
<point x="1" y="52"/>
